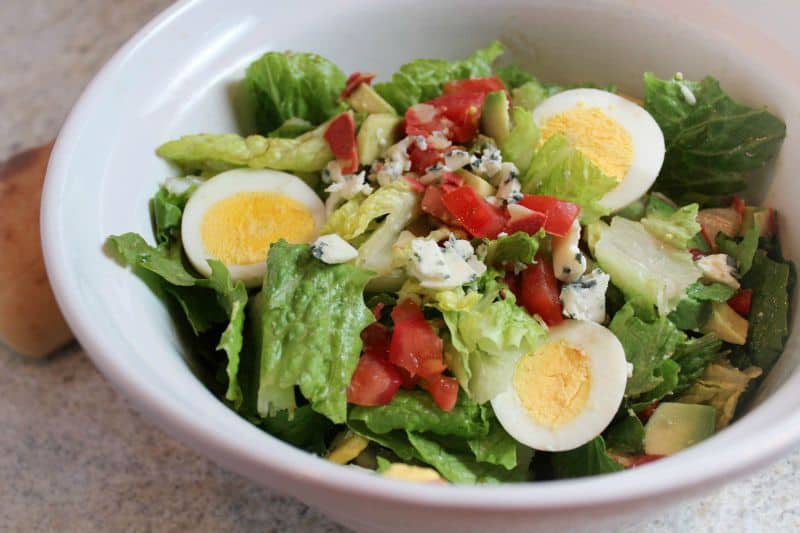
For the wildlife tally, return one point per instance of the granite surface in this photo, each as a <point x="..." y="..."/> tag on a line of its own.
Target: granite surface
<point x="75" y="457"/>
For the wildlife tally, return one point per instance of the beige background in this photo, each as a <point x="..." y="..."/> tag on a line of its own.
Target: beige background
<point x="74" y="457"/>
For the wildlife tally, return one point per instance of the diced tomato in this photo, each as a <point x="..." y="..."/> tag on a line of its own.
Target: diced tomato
<point x="424" y="119"/>
<point x="407" y="381"/>
<point x="539" y="292"/>
<point x="433" y="205"/>
<point x="415" y="184"/>
<point x="645" y="414"/>
<point x="479" y="217"/>
<point x="640" y="460"/>
<point x="415" y="346"/>
<point x="475" y="85"/>
<point x="738" y="205"/>
<point x="696" y="253"/>
<point x="341" y="137"/>
<point x="463" y="111"/>
<point x="377" y="310"/>
<point x="406" y="311"/>
<point x="529" y="224"/>
<point x="560" y="214"/>
<point x="444" y="390"/>
<point x="356" y="79"/>
<point x="374" y="382"/>
<point x="422" y="159"/>
<point x="512" y="280"/>
<point x="451" y="181"/>
<point x="376" y="339"/>
<point x="740" y="302"/>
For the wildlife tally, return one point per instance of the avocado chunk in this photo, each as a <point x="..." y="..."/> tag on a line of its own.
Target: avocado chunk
<point x="478" y="184"/>
<point x="676" y="426"/>
<point x="346" y="447"/>
<point x="365" y="100"/>
<point x="418" y="474"/>
<point x="760" y="217"/>
<point x="377" y="133"/>
<point x="729" y="325"/>
<point x="495" y="121"/>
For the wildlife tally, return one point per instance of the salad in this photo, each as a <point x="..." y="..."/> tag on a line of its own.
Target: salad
<point x="465" y="274"/>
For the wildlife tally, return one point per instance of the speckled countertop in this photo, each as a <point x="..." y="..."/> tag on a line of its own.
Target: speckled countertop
<point x="75" y="457"/>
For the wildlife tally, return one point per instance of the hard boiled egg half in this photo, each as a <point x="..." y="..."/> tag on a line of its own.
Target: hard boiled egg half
<point x="564" y="393"/>
<point x="235" y="216"/>
<point x="620" y="137"/>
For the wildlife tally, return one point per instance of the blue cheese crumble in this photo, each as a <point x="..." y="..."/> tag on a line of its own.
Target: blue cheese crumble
<point x="445" y="267"/>
<point x="343" y="186"/>
<point x="332" y="249"/>
<point x="585" y="299"/>
<point x="720" y="268"/>
<point x="569" y="263"/>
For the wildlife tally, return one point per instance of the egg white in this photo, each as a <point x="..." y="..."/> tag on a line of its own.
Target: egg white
<point x="230" y="183"/>
<point x="608" y="376"/>
<point x="646" y="136"/>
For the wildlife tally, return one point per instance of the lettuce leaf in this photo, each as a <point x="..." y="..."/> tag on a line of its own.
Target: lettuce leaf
<point x="590" y="459"/>
<point x="307" y="320"/>
<point x="677" y="227"/>
<point x="353" y="218"/>
<point x="422" y="79"/>
<point x="456" y="299"/>
<point x="522" y="140"/>
<point x="519" y="247"/>
<point x="210" y="154"/>
<point x="713" y="292"/>
<point x="626" y="436"/>
<point x="195" y="297"/>
<point x="531" y="94"/>
<point x="306" y="429"/>
<point x="486" y="340"/>
<point x="514" y="76"/>
<point x="287" y="85"/>
<point x="649" y="272"/>
<point x="711" y="140"/>
<point x="167" y="211"/>
<point x="647" y="347"/>
<point x="497" y="447"/>
<point x="558" y="169"/>
<point x="742" y="251"/>
<point x="693" y="356"/>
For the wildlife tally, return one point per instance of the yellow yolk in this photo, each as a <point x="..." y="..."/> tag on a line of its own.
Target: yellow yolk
<point x="553" y="383"/>
<point x="240" y="229"/>
<point x="599" y="137"/>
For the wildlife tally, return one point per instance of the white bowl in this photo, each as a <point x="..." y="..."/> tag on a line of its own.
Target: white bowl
<point x="173" y="78"/>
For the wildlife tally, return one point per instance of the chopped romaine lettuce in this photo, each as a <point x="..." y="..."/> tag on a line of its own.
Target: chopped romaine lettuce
<point x="289" y="85"/>
<point x="514" y="76"/>
<point x="352" y="218"/>
<point x="307" y="325"/>
<point x="649" y="272"/>
<point x="626" y="436"/>
<point x="743" y="251"/>
<point x="559" y="169"/>
<point x="518" y="247"/>
<point x="590" y="459"/>
<point x="422" y="79"/>
<point x="456" y="299"/>
<point x="677" y="228"/>
<point x="167" y="210"/>
<point x="711" y="139"/>
<point x="520" y="145"/>
<point x="306" y="429"/>
<point x="693" y="356"/>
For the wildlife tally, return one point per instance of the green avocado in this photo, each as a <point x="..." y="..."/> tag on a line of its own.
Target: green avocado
<point x="366" y="100"/>
<point x="495" y="121"/>
<point x="377" y="133"/>
<point x="676" y="426"/>
<point x="729" y="325"/>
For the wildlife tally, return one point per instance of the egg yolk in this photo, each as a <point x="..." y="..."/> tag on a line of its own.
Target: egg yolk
<point x="553" y="383"/>
<point x="599" y="137"/>
<point x="240" y="229"/>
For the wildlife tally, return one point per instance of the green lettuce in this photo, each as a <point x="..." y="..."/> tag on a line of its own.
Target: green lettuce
<point x="711" y="140"/>
<point x="675" y="226"/>
<point x="422" y="79"/>
<point x="712" y="292"/>
<point x="289" y="85"/>
<point x="294" y="127"/>
<point x="590" y="459"/>
<point x="210" y="154"/>
<point x="306" y="429"/>
<point x="649" y="272"/>
<point x="167" y="211"/>
<point x="514" y="76"/>
<point x="742" y="251"/>
<point x="353" y="218"/>
<point x="690" y="314"/>
<point x="486" y="340"/>
<point x="520" y="145"/>
<point x="626" y="436"/>
<point x="307" y="324"/>
<point x="519" y="247"/>
<point x="559" y="169"/>
<point x="647" y="346"/>
<point x="456" y="299"/>
<point x="195" y="297"/>
<point x="721" y="386"/>
<point x="531" y="94"/>
<point x="693" y="356"/>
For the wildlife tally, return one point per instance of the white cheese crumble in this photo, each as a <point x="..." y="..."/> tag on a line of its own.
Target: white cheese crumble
<point x="421" y="143"/>
<point x="569" y="263"/>
<point x="181" y="185"/>
<point x="394" y="164"/>
<point x="456" y="159"/>
<point x="332" y="249"/>
<point x="434" y="174"/>
<point x="585" y="299"/>
<point x="444" y="268"/>
<point x="343" y="186"/>
<point x="509" y="189"/>
<point x="720" y="268"/>
<point x="688" y="95"/>
<point x="439" y="141"/>
<point x="489" y="163"/>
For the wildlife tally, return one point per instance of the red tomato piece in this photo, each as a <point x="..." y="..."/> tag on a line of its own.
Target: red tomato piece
<point x="451" y="182"/>
<point x="738" y="205"/>
<point x="475" y="85"/>
<point x="560" y="214"/>
<point x="376" y="339"/>
<point x="512" y="280"/>
<point x="341" y="137"/>
<point x="405" y="311"/>
<point x="377" y="310"/>
<point x="356" y="79"/>
<point x="444" y="390"/>
<point x="696" y="253"/>
<point x="422" y="159"/>
<point x="433" y="205"/>
<point x="740" y="302"/>
<point x="640" y="460"/>
<point x="539" y="292"/>
<point x="415" y="346"/>
<point x="479" y="217"/>
<point x="407" y="381"/>
<point x="374" y="382"/>
<point x="415" y="184"/>
<point x="529" y="224"/>
<point x="645" y="414"/>
<point x="463" y="111"/>
<point x="424" y="119"/>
